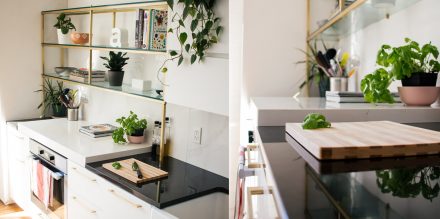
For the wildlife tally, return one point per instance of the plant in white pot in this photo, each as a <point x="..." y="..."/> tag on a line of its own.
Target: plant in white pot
<point x="417" y="68"/>
<point x="64" y="26"/>
<point x="132" y="127"/>
<point x="115" y="64"/>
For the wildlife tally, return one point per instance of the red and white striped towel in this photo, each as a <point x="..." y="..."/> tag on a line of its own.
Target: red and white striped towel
<point x="42" y="183"/>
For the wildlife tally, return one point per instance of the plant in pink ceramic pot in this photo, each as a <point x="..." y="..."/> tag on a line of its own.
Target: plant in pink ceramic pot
<point x="416" y="66"/>
<point x="132" y="127"/>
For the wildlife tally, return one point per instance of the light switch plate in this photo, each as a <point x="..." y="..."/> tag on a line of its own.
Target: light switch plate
<point x="197" y="135"/>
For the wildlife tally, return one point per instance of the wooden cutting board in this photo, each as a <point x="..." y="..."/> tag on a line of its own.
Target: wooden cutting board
<point x="148" y="172"/>
<point x="352" y="140"/>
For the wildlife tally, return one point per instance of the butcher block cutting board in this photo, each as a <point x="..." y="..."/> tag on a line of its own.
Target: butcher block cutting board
<point x="352" y="140"/>
<point x="148" y="172"/>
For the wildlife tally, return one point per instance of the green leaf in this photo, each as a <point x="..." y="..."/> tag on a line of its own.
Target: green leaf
<point x="187" y="47"/>
<point x="194" y="24"/>
<point x="315" y="121"/>
<point x="180" y="61"/>
<point x="164" y="69"/>
<point x="170" y="30"/>
<point x="181" y="23"/>
<point x="193" y="58"/>
<point x="185" y="13"/>
<point x="182" y="38"/>
<point x="173" y="53"/>
<point x="170" y="3"/>
<point x="218" y="30"/>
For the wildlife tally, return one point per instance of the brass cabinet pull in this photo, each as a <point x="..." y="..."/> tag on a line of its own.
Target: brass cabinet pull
<point x="83" y="205"/>
<point x="84" y="175"/>
<point x="125" y="199"/>
<point x="251" y="191"/>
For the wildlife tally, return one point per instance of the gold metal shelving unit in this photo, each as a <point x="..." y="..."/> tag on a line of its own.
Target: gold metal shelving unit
<point x="114" y="9"/>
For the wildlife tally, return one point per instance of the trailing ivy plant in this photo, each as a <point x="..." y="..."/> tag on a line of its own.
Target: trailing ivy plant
<point x="202" y="33"/>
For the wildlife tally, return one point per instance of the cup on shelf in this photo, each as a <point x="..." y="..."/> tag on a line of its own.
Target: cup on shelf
<point x="72" y="114"/>
<point x="338" y="84"/>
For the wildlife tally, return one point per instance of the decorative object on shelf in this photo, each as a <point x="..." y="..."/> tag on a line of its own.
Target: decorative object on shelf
<point x="116" y="38"/>
<point x="50" y="98"/>
<point x="64" y="71"/>
<point x="79" y="38"/>
<point x="140" y="85"/>
<point x="115" y="64"/>
<point x="327" y="65"/>
<point x="64" y="25"/>
<point x="132" y="127"/>
<point x="158" y="33"/>
<point x="407" y="183"/>
<point x="71" y="100"/>
<point x="413" y="65"/>
<point x="204" y="30"/>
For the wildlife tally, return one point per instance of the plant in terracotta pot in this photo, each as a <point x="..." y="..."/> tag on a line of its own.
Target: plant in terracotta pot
<point x="64" y="25"/>
<point x="415" y="66"/>
<point x="51" y="94"/>
<point x="132" y="127"/>
<point x="115" y="64"/>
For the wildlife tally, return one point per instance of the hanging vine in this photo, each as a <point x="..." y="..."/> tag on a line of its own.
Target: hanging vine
<point x="202" y="33"/>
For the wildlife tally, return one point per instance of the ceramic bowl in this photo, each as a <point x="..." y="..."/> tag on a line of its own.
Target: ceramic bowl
<point x="418" y="96"/>
<point x="136" y="139"/>
<point x="79" y="38"/>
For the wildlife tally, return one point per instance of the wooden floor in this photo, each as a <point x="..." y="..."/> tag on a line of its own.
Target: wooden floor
<point x="12" y="211"/>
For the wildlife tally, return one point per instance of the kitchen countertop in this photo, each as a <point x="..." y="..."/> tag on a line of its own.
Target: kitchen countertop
<point x="308" y="188"/>
<point x="184" y="181"/>
<point x="64" y="137"/>
<point x="276" y="111"/>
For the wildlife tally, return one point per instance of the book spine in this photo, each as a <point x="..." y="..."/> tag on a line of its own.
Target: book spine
<point x="145" y="30"/>
<point x="141" y="27"/>
<point x="136" y="35"/>
<point x="151" y="29"/>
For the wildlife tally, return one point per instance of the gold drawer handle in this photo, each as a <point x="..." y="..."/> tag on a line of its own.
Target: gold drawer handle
<point x="251" y="191"/>
<point x="83" y="205"/>
<point x="83" y="174"/>
<point x="123" y="198"/>
<point x="256" y="165"/>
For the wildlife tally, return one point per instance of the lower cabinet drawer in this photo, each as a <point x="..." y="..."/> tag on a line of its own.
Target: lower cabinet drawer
<point x="80" y="208"/>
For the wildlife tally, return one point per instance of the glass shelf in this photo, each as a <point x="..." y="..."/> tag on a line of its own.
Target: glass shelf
<point x="107" y="48"/>
<point x="125" y="88"/>
<point x="355" y="17"/>
<point x="122" y="7"/>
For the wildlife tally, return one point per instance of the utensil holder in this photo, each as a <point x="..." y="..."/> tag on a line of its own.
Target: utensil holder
<point x="338" y="84"/>
<point x="72" y="114"/>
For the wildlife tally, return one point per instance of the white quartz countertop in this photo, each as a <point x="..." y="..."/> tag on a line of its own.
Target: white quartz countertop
<point x="63" y="137"/>
<point x="277" y="111"/>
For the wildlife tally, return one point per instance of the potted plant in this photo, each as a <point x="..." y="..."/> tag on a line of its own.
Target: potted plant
<point x="115" y="64"/>
<point x="51" y="94"/>
<point x="415" y="66"/>
<point x="132" y="127"/>
<point x="64" y="25"/>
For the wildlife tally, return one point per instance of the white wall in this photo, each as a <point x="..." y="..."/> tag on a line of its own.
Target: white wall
<point x="417" y="22"/>
<point x="21" y="65"/>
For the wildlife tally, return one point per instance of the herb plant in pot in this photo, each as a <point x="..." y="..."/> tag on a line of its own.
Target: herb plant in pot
<point x="51" y="94"/>
<point x="132" y="127"/>
<point x="115" y="64"/>
<point x="64" y="26"/>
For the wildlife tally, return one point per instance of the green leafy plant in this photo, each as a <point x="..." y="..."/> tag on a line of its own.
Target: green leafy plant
<point x="51" y="94"/>
<point x="64" y="23"/>
<point x="315" y="121"/>
<point x="375" y="87"/>
<point x="115" y="61"/>
<point x="130" y="125"/>
<point x="116" y="165"/>
<point x="201" y="34"/>
<point x="405" y="60"/>
<point x="406" y="183"/>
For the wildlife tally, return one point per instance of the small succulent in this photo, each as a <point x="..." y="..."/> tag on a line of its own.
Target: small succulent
<point x="115" y="61"/>
<point x="64" y="23"/>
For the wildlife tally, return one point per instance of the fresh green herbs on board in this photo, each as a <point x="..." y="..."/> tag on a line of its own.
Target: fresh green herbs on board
<point x="117" y="165"/>
<point x="315" y="121"/>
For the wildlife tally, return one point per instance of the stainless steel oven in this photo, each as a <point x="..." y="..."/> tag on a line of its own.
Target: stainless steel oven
<point x="56" y="166"/>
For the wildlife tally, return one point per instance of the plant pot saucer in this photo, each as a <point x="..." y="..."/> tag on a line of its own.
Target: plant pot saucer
<point x="419" y="96"/>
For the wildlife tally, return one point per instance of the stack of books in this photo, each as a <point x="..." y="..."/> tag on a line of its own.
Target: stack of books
<point x="151" y="29"/>
<point x="97" y="131"/>
<point x="350" y="97"/>
<point x="82" y="75"/>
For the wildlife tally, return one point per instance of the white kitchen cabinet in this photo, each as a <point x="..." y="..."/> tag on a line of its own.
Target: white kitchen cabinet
<point x="80" y="208"/>
<point x="18" y="167"/>
<point x="160" y="214"/>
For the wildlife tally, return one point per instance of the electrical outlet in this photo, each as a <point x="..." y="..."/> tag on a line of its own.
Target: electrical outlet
<point x="197" y="135"/>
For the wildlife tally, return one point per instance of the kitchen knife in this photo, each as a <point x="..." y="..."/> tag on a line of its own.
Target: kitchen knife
<point x="135" y="167"/>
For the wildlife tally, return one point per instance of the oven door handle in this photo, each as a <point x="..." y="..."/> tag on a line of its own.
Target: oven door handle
<point x="56" y="175"/>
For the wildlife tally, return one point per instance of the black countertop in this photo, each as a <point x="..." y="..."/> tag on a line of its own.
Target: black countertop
<point x="184" y="181"/>
<point x="368" y="188"/>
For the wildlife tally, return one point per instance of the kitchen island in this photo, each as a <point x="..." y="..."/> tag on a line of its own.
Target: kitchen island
<point x="304" y="187"/>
